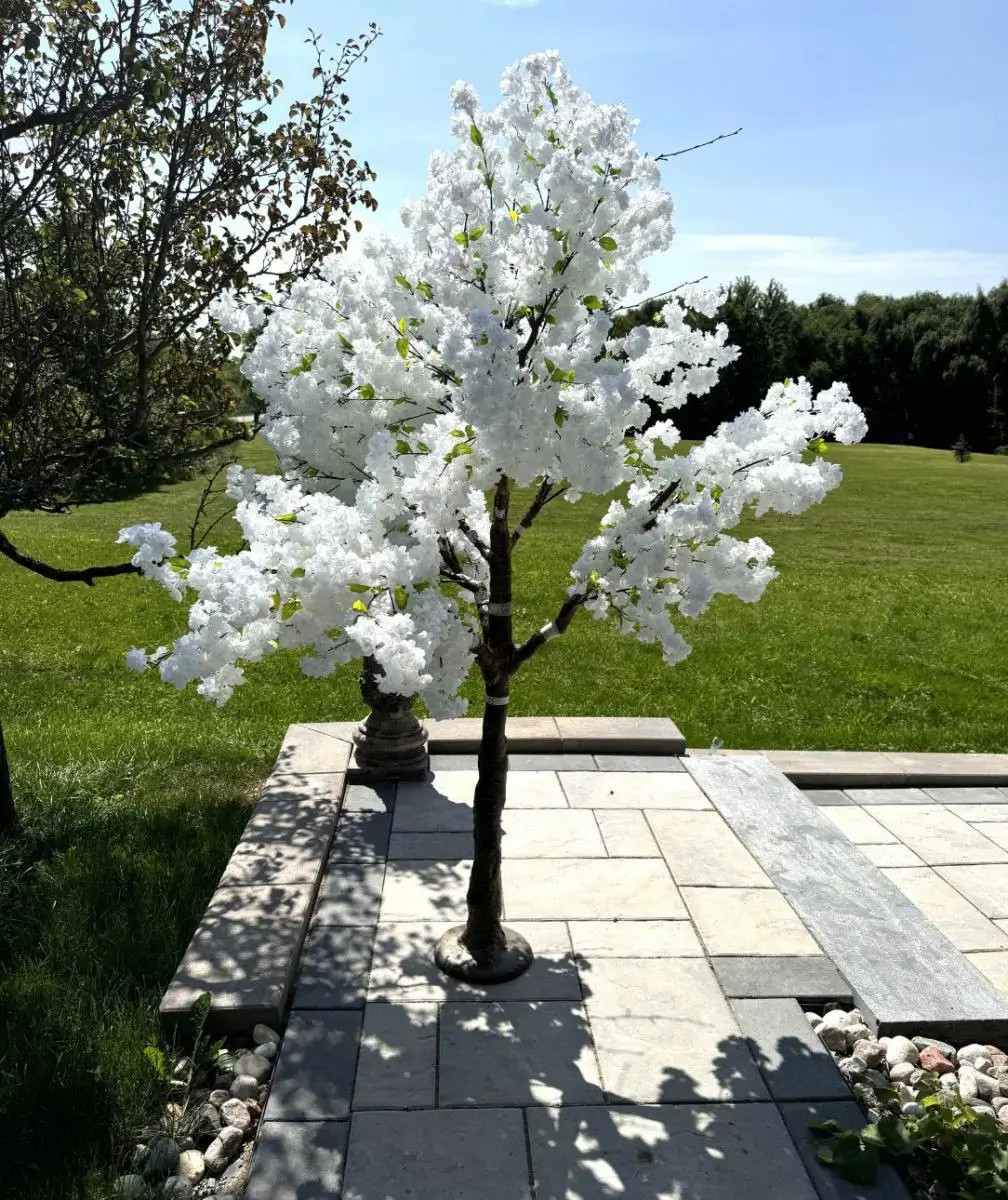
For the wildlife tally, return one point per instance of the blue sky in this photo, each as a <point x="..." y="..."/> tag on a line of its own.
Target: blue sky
<point x="873" y="152"/>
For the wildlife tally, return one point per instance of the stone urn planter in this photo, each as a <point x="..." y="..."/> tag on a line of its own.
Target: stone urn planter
<point x="390" y="743"/>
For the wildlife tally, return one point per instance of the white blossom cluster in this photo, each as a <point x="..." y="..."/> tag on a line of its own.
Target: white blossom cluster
<point x="477" y="344"/>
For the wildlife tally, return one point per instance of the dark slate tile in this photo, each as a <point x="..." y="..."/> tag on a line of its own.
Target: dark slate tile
<point x="968" y="795"/>
<point x="369" y="798"/>
<point x="550" y="762"/>
<point x="335" y="965"/>
<point x="792" y="1060"/>
<point x="903" y="972"/>
<point x="635" y="762"/>
<point x="811" y="978"/>
<point x="453" y="762"/>
<point x="314" y="1075"/>
<point x="299" y="1160"/>
<point x="350" y="894"/>
<point x="888" y="795"/>
<point x="827" y="796"/>
<point x="361" y="837"/>
<point x="887" y="1184"/>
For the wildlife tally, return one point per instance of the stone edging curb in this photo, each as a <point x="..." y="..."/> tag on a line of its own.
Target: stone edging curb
<point x="245" y="950"/>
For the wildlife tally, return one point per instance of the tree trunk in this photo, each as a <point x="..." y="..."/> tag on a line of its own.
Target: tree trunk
<point x="8" y="818"/>
<point x="483" y="950"/>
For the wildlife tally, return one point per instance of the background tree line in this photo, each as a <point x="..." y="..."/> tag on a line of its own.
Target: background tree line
<point x="924" y="368"/>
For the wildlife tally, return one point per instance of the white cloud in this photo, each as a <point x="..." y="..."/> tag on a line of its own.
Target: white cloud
<point x="810" y="265"/>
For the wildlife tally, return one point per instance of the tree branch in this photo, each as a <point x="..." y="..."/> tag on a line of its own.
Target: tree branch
<point x="542" y="498"/>
<point x="87" y="575"/>
<point x="539" y="639"/>
<point x="699" y="146"/>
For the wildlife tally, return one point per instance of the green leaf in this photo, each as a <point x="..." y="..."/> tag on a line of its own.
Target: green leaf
<point x="895" y="1135"/>
<point x="401" y="325"/>
<point x="359" y="588"/>
<point x="607" y="243"/>
<point x="458" y="451"/>
<point x="404" y="282"/>
<point x="367" y="392"/>
<point x="298" y="573"/>
<point x="401" y="596"/>
<point x="592" y="303"/>
<point x="477" y="233"/>
<point x="156" y="1059"/>
<point x="856" y="1162"/>
<point x="403" y="447"/>
<point x="425" y="289"/>
<point x="402" y="345"/>
<point x="559" y="418"/>
<point x="475" y="136"/>
<point x="458" y="433"/>
<point x="597" y="169"/>
<point x="346" y="381"/>
<point x="346" y="343"/>
<point x="287" y="519"/>
<point x="359" y="606"/>
<point x="552" y="95"/>
<point x="289" y="609"/>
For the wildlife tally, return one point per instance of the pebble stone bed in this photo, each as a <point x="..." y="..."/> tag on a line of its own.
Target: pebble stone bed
<point x="203" y="1146"/>
<point x="913" y="1067"/>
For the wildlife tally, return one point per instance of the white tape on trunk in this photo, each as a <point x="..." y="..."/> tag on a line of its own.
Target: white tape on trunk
<point x="499" y="610"/>
<point x="500" y="513"/>
<point x="517" y="532"/>
<point x="498" y="701"/>
<point x="549" y="631"/>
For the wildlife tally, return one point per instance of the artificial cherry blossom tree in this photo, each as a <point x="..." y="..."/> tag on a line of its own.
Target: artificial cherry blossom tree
<point x="468" y="357"/>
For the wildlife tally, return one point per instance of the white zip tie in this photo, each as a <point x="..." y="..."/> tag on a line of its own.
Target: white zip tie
<point x="498" y="701"/>
<point x="500" y="513"/>
<point x="549" y="631"/>
<point x="499" y="610"/>
<point x="517" y="532"/>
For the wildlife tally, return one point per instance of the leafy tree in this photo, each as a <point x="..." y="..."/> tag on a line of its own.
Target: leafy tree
<point x="142" y="175"/>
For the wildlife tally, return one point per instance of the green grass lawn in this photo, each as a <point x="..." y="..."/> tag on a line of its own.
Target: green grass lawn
<point x="885" y="630"/>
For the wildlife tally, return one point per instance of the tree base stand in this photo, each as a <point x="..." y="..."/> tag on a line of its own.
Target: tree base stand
<point x="455" y="960"/>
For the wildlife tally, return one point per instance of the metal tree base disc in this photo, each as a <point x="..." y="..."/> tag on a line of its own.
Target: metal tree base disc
<point x="455" y="960"/>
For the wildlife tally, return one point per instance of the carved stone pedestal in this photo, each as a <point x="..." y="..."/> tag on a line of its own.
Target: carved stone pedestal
<point x="390" y="743"/>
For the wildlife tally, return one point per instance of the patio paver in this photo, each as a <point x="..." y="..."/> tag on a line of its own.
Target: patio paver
<point x="571" y="889"/>
<point x="962" y="923"/>
<point x="397" y="1067"/>
<point x="609" y="789"/>
<point x="937" y="835"/>
<point x="747" y="921"/>
<point x="702" y="851"/>
<point x="313" y="1080"/>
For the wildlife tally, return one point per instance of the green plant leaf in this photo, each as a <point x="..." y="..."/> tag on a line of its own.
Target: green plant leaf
<point x="475" y="136"/>
<point x="403" y="447"/>
<point x="359" y="606"/>
<point x="401" y="596"/>
<point x="287" y="519"/>
<point x="367" y="392"/>
<point x="592" y="303"/>
<point x="402" y="345"/>
<point x="404" y="282"/>
<point x="359" y="588"/>
<point x="157" y="1060"/>
<point x="607" y="243"/>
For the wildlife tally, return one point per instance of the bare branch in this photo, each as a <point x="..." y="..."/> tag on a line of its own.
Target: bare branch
<point x="699" y="146"/>
<point x="671" y="291"/>
<point x="539" y="639"/>
<point x="85" y="575"/>
<point x="542" y="498"/>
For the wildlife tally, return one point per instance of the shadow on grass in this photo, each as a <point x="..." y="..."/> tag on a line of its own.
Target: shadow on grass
<point x="584" y="1077"/>
<point x="99" y="893"/>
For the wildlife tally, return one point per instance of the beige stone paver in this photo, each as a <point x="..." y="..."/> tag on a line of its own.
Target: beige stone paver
<point x="891" y="854"/>
<point x="702" y="851"/>
<point x="858" y="826"/>
<point x="572" y="889"/>
<point x="747" y="921"/>
<point x="403" y="967"/>
<point x="963" y="924"/>
<point x="626" y="833"/>
<point x="551" y="833"/>
<point x="994" y="964"/>
<point x="984" y="886"/>
<point x="651" y="789"/>
<point x="419" y="804"/>
<point x="635" y="939"/>
<point x="425" y="891"/>
<point x="982" y="814"/>
<point x="937" y="834"/>
<point x="996" y="832"/>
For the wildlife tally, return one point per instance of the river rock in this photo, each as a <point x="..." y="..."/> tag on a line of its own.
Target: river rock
<point x="254" y="1065"/>
<point x="191" y="1166"/>
<point x="263" y="1033"/>
<point x="244" y="1088"/>
<point x="813" y="1019"/>
<point x="913" y="1109"/>
<point x="901" y="1050"/>
<point x="219" y="1096"/>
<point x="832" y="1037"/>
<point x="176" y="1188"/>
<point x="968" y="1053"/>
<point x="235" y="1113"/>
<point x="853" y="1069"/>
<point x="222" y="1149"/>
<point x="870" y="1052"/>
<point x="932" y="1059"/>
<point x="267" y="1050"/>
<point x="163" y="1157"/>
<point x="876" y="1078"/>
<point x="942" y="1047"/>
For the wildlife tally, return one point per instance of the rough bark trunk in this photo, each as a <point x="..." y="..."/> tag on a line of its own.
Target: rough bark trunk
<point x="8" y="817"/>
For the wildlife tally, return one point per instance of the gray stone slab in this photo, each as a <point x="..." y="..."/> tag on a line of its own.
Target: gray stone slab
<point x="284" y="852"/>
<point x="551" y="762"/>
<point x="461" y="735"/>
<point x="350" y="894"/>
<point x="438" y="1154"/>
<point x="335" y="965"/>
<point x="903" y="972"/>
<point x="887" y="1185"/>
<point x="793" y="1062"/>
<point x="426" y="890"/>
<point x="837" y="768"/>
<point x="313" y="1079"/>
<point x="888" y="795"/>
<point x="671" y="1152"/>
<point x="244" y="953"/>
<point x="965" y="769"/>
<point x="403" y="967"/>
<point x="620" y="735"/>
<point x="516" y="1052"/>
<point x="633" y="762"/>
<point x="299" y="1160"/>
<point x="397" y="1067"/>
<point x="314" y="750"/>
<point x="453" y="762"/>
<point x="377" y="798"/>
<point x="967" y="795"/>
<point x="444" y="847"/>
<point x="828" y="797"/>
<point x="809" y="978"/>
<point x="361" y="837"/>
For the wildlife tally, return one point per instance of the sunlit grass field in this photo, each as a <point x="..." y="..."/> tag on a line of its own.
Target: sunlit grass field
<point x="887" y="629"/>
